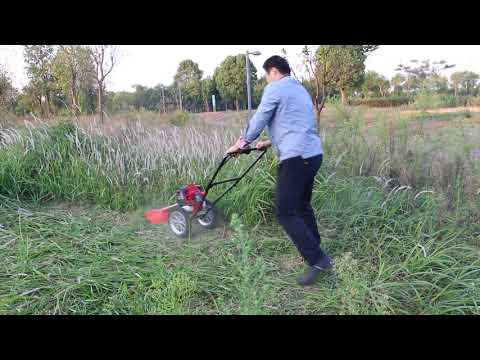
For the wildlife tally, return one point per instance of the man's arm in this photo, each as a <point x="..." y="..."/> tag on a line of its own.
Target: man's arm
<point x="262" y="116"/>
<point x="257" y="123"/>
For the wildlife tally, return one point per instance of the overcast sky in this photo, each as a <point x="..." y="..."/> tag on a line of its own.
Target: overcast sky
<point x="150" y="65"/>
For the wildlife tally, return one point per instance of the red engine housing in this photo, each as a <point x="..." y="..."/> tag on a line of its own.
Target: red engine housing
<point x="191" y="194"/>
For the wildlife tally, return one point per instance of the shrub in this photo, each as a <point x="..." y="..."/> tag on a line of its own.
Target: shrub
<point x="179" y="118"/>
<point x="7" y="119"/>
<point x="448" y="100"/>
<point x="473" y="101"/>
<point x="425" y="100"/>
<point x="383" y="102"/>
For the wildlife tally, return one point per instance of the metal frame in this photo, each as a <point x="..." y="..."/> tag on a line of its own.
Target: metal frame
<point x="235" y="180"/>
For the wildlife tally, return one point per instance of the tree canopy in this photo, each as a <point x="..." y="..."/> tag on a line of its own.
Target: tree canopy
<point x="230" y="78"/>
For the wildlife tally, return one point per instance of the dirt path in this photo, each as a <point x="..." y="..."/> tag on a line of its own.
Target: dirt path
<point x="473" y="109"/>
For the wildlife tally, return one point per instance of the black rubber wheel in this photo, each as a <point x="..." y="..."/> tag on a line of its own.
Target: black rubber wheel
<point x="210" y="220"/>
<point x="179" y="222"/>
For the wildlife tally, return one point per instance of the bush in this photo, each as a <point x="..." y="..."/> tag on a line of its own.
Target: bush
<point x="448" y="100"/>
<point x="179" y="118"/>
<point x="426" y="100"/>
<point x="383" y="102"/>
<point x="473" y="101"/>
<point x="7" y="119"/>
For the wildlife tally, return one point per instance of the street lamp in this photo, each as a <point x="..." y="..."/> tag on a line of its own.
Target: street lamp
<point x="249" y="90"/>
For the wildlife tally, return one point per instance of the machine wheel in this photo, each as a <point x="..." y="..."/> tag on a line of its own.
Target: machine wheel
<point x="210" y="220"/>
<point x="179" y="222"/>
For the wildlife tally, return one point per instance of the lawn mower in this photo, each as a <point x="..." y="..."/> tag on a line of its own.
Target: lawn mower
<point x="192" y="203"/>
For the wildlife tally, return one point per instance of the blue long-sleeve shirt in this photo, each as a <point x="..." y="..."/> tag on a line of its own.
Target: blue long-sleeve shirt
<point x="287" y="111"/>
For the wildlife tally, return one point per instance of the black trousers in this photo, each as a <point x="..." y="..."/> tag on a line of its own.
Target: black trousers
<point x="295" y="181"/>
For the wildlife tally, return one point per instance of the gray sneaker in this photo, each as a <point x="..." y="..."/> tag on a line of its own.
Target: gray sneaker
<point x="313" y="272"/>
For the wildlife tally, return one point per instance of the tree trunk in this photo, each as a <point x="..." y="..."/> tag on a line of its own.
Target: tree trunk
<point x="320" y="107"/>
<point x="75" y="107"/>
<point x="47" y="105"/>
<point x="37" y="103"/>
<point x="43" y="106"/>
<point x="73" y="93"/>
<point x="237" y="105"/>
<point x="207" y="108"/>
<point x="100" y="101"/>
<point x="343" y="94"/>
<point x="318" y="111"/>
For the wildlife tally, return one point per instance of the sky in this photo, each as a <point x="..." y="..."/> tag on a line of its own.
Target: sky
<point x="150" y="65"/>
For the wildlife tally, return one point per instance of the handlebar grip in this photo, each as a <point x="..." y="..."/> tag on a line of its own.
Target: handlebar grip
<point x="242" y="151"/>
<point x="248" y="150"/>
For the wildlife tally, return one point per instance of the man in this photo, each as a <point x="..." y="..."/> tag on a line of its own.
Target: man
<point x="287" y="111"/>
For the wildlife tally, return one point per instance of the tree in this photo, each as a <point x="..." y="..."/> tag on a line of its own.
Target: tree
<point x="456" y="78"/>
<point x="162" y="96"/>
<point x="437" y="83"/>
<point x="187" y="78"/>
<point x="398" y="82"/>
<point x="375" y="85"/>
<point x="8" y="94"/>
<point x="469" y="82"/>
<point x="121" y="101"/>
<point x="39" y="70"/>
<point x="419" y="72"/>
<point x="153" y="99"/>
<point x="104" y="57"/>
<point x="29" y="100"/>
<point x="318" y="78"/>
<point x="230" y="79"/>
<point x="292" y="66"/>
<point x="24" y="104"/>
<point x="171" y="98"/>
<point x="330" y="67"/>
<point x="464" y="81"/>
<point x="344" y="64"/>
<point x="73" y="72"/>
<point x="139" y="97"/>
<point x="208" y="89"/>
<point x="258" y="91"/>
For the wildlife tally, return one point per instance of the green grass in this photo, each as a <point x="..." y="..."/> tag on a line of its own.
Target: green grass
<point x="102" y="262"/>
<point x="403" y="244"/>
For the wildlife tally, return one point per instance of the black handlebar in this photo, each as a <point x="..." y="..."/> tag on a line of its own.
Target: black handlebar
<point x="236" y="179"/>
<point x="244" y="151"/>
<point x="248" y="150"/>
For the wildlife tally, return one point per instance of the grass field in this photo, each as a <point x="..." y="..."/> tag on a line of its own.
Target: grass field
<point x="396" y="201"/>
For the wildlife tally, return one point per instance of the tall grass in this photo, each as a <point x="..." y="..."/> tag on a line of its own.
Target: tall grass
<point x="403" y="153"/>
<point x="121" y="170"/>
<point x="131" y="165"/>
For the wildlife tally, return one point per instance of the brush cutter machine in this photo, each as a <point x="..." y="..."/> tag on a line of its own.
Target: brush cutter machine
<point x="192" y="203"/>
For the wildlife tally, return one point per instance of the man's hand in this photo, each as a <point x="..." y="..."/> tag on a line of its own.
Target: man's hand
<point x="235" y="149"/>
<point x="264" y="144"/>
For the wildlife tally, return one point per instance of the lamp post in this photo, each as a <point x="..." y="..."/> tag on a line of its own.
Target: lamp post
<point x="249" y="90"/>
